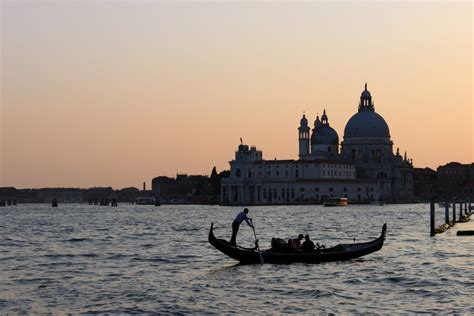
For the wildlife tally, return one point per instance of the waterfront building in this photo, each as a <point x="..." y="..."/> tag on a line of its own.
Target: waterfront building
<point x="363" y="169"/>
<point x="424" y="183"/>
<point x="455" y="180"/>
<point x="184" y="189"/>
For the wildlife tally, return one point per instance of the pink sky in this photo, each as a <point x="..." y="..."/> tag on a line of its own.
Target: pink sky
<point x="100" y="93"/>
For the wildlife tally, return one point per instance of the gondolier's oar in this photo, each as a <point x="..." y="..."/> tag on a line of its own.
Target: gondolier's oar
<point x="255" y="235"/>
<point x="256" y="244"/>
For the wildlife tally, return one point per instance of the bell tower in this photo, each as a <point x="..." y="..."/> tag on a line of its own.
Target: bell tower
<point x="303" y="138"/>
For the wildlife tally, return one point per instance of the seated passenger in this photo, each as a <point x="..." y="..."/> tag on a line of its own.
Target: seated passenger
<point x="296" y="243"/>
<point x="308" y="245"/>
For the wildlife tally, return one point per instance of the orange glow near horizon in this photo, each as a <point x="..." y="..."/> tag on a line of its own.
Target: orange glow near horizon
<point x="114" y="94"/>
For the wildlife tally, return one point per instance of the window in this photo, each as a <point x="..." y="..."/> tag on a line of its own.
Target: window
<point x="302" y="189"/>
<point x="237" y="172"/>
<point x="297" y="173"/>
<point x="331" y="189"/>
<point x="278" y="173"/>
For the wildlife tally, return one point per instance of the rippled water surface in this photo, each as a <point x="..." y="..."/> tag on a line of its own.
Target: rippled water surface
<point x="146" y="259"/>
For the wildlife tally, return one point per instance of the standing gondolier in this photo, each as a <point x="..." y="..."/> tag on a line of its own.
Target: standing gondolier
<point x="236" y="223"/>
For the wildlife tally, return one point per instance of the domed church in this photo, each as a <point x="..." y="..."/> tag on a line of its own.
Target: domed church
<point x="363" y="170"/>
<point x="368" y="145"/>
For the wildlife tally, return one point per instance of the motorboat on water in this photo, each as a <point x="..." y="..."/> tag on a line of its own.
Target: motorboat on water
<point x="336" y="201"/>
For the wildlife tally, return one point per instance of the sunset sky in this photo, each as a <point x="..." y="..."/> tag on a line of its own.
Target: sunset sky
<point x="107" y="93"/>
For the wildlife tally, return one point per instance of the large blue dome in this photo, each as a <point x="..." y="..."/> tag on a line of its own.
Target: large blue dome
<point x="366" y="124"/>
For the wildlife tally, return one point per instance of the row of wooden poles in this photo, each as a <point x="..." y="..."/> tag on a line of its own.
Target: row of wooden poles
<point x="7" y="202"/>
<point x="464" y="213"/>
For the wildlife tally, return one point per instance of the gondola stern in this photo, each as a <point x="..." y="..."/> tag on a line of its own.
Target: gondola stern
<point x="211" y="234"/>
<point x="384" y="230"/>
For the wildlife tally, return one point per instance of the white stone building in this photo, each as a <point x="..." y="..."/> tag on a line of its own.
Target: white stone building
<point x="365" y="170"/>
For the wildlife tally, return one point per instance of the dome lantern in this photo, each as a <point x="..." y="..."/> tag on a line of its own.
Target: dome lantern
<point x="303" y="121"/>
<point x="324" y="118"/>
<point x="317" y="122"/>
<point x="366" y="103"/>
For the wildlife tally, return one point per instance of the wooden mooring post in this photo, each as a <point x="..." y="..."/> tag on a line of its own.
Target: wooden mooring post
<point x="454" y="212"/>
<point x="464" y="216"/>
<point x="432" y="218"/>
<point x="446" y="212"/>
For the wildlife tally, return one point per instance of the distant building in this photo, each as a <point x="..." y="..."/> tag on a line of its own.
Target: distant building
<point x="183" y="189"/>
<point x="61" y="195"/>
<point x="456" y="180"/>
<point x="424" y="183"/>
<point x="68" y="195"/>
<point x="364" y="170"/>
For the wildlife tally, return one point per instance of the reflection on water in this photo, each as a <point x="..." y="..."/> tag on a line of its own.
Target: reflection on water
<point x="146" y="259"/>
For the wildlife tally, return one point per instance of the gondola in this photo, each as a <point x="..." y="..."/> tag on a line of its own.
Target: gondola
<point x="340" y="252"/>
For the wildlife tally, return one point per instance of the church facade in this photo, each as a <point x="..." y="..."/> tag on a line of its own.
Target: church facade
<point x="362" y="168"/>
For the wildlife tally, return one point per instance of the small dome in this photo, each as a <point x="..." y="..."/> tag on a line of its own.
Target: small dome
<point x="365" y="94"/>
<point x="317" y="122"/>
<point x="324" y="135"/>
<point x="303" y="121"/>
<point x="243" y="148"/>
<point x="366" y="124"/>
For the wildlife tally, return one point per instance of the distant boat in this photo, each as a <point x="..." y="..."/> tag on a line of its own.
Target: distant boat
<point x="146" y="200"/>
<point x="335" y="201"/>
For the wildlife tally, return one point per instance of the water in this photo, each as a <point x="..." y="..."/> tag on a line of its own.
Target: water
<point x="146" y="259"/>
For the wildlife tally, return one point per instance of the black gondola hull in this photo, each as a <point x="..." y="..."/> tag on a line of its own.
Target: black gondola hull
<point x="340" y="252"/>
